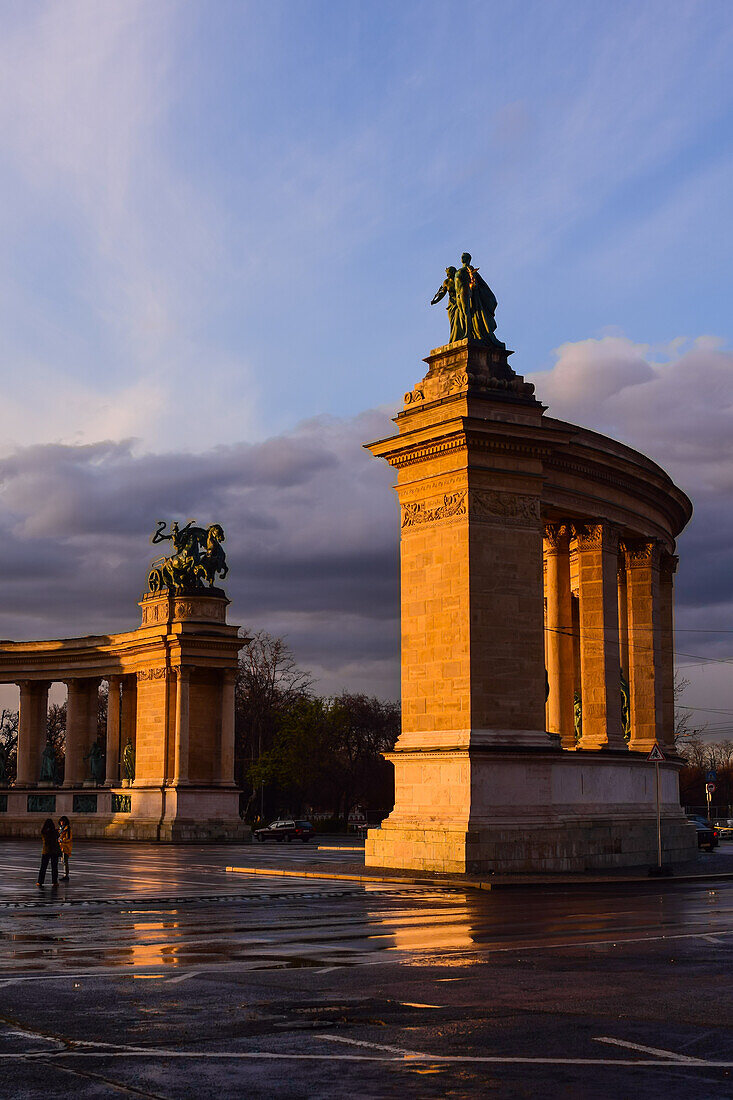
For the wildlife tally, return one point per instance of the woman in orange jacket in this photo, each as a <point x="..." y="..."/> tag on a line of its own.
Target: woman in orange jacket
<point x="65" y="842"/>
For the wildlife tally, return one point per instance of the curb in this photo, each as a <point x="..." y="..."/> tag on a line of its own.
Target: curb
<point x="480" y="884"/>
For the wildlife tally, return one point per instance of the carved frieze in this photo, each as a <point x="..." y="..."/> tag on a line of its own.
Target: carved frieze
<point x="163" y="609"/>
<point x="509" y="508"/>
<point x="445" y="383"/>
<point x="153" y="674"/>
<point x="452" y="504"/>
<point x="487" y="505"/>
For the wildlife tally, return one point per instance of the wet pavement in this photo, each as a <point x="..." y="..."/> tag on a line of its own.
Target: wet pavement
<point x="153" y="972"/>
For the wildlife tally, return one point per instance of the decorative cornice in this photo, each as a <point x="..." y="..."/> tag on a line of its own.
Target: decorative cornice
<point x="423" y="452"/>
<point x="656" y="494"/>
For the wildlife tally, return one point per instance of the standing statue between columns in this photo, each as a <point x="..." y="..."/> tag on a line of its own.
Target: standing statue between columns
<point x="167" y="769"/>
<point x="515" y="531"/>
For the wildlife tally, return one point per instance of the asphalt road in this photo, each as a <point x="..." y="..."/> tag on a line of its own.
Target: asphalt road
<point x="154" y="973"/>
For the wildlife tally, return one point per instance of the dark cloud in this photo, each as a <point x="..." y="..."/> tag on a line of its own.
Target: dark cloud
<point x="312" y="540"/>
<point x="312" y="524"/>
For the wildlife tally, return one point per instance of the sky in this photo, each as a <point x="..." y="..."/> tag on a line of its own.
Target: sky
<point x="220" y="229"/>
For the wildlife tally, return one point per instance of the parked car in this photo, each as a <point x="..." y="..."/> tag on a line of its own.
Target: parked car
<point x="706" y="837"/>
<point x="285" y="830"/>
<point x="724" y="826"/>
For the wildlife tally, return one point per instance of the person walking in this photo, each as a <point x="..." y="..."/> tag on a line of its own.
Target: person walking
<point x="65" y="843"/>
<point x="51" y="852"/>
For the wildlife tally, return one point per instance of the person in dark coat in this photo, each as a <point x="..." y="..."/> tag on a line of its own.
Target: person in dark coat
<point x="51" y="852"/>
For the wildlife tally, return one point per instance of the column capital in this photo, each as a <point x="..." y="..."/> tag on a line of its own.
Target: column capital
<point x="28" y="685"/>
<point x="113" y="678"/>
<point x="229" y="676"/>
<point x="83" y="683"/>
<point x="557" y="537"/>
<point x="183" y="674"/>
<point x="641" y="553"/>
<point x="597" y="536"/>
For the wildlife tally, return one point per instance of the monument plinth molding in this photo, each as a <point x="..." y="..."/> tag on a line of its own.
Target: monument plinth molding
<point x="508" y="519"/>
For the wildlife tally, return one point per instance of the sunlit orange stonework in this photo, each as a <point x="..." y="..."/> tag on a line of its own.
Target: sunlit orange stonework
<point x="530" y="548"/>
<point x="171" y="694"/>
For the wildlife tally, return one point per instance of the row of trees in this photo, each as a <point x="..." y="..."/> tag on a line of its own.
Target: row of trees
<point x="704" y="757"/>
<point x="296" y="751"/>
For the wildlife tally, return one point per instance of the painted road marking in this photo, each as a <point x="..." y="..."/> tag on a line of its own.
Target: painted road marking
<point x="683" y="1059"/>
<point x="183" y="977"/>
<point x="372" y="1046"/>
<point x="452" y="1059"/>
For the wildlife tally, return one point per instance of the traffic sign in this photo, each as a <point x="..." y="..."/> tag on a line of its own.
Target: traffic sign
<point x="656" y="754"/>
<point x="710" y="787"/>
<point x="711" y="776"/>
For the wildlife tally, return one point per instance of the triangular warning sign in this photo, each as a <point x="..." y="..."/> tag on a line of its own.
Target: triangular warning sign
<point x="656" y="754"/>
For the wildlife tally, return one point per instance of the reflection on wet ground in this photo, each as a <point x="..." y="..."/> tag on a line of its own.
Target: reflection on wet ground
<point x="154" y="973"/>
<point x="114" y="914"/>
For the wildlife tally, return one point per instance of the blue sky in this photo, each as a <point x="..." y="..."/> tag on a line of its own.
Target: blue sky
<point x="221" y="218"/>
<point x="221" y="222"/>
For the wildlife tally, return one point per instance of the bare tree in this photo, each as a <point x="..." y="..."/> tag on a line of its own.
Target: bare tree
<point x="269" y="683"/>
<point x="8" y="745"/>
<point x="685" y="730"/>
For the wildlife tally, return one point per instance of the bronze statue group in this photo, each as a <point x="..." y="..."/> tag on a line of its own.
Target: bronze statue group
<point x="57" y="843"/>
<point x="471" y="304"/>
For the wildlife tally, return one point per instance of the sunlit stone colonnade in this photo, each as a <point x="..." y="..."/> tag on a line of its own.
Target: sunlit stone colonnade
<point x="609" y="637"/>
<point x="537" y="561"/>
<point x="81" y="727"/>
<point x="171" y="703"/>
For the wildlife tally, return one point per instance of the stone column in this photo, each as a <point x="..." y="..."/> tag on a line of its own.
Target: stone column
<point x="112" y="773"/>
<point x="31" y="730"/>
<point x="600" y="663"/>
<point x="559" y="636"/>
<point x="77" y="721"/>
<point x="227" y="727"/>
<point x="623" y="620"/>
<point x="667" y="569"/>
<point x="182" y="717"/>
<point x="645" y="636"/>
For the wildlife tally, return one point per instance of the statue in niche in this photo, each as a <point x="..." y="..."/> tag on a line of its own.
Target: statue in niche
<point x="198" y="559"/>
<point x="578" y="716"/>
<point x="625" y="707"/>
<point x="95" y="756"/>
<point x="128" y="761"/>
<point x="471" y="304"/>
<point x="48" y="764"/>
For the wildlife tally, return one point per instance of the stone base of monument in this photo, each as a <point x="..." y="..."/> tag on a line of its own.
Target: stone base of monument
<point x="483" y="810"/>
<point x="162" y="814"/>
